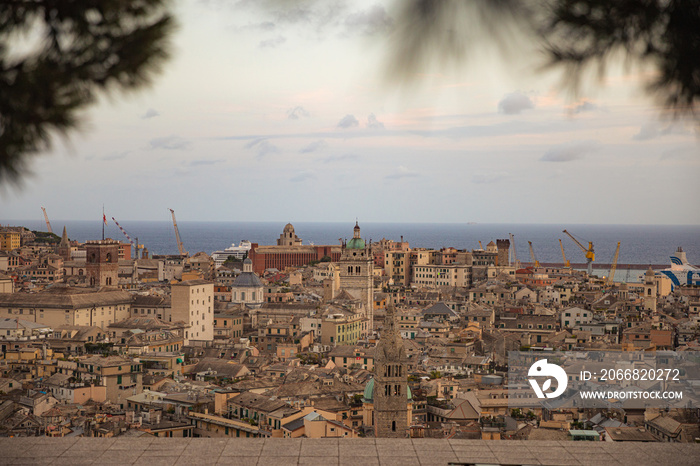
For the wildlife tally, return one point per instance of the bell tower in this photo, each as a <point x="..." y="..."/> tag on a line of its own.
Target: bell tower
<point x="391" y="391"/>
<point x="102" y="262"/>
<point x="356" y="270"/>
<point x="650" y="290"/>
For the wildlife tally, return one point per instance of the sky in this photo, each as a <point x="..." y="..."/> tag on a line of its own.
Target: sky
<point x="292" y="115"/>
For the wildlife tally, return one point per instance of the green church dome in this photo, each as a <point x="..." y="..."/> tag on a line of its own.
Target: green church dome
<point x="355" y="243"/>
<point x="369" y="391"/>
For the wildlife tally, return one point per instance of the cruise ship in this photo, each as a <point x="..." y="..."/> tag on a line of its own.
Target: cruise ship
<point x="237" y="252"/>
<point x="681" y="272"/>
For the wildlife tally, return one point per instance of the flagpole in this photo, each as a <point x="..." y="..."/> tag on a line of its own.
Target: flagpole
<point x="103" y="222"/>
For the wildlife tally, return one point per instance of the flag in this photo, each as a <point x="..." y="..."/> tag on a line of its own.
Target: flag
<point x="104" y="218"/>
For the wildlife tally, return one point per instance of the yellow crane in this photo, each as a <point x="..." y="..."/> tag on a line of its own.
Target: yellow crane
<point x="480" y="246"/>
<point x="590" y="254"/>
<point x="613" y="267"/>
<point x="180" y="247"/>
<point x="535" y="262"/>
<point x="563" y="256"/>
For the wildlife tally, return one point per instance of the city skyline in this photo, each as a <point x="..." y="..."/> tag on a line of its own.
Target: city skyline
<point x="267" y="115"/>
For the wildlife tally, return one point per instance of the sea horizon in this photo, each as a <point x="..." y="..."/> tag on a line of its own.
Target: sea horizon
<point x="641" y="244"/>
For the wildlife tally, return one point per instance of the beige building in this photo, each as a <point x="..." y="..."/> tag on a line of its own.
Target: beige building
<point x="192" y="302"/>
<point x="436" y="275"/>
<point x="315" y="425"/>
<point x="121" y="377"/>
<point x="7" y="284"/>
<point x="325" y="270"/>
<point x="228" y="325"/>
<point x="348" y="356"/>
<point x="64" y="390"/>
<point x="67" y="306"/>
<point x="9" y="239"/>
<point x="397" y="266"/>
<point x="209" y="425"/>
<point x="343" y="327"/>
<point x="422" y="256"/>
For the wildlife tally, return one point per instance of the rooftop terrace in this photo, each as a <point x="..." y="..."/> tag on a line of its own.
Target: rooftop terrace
<point x="279" y="452"/>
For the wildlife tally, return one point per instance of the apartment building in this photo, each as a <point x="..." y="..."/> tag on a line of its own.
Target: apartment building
<point x="436" y="275"/>
<point x="121" y="376"/>
<point x="192" y="302"/>
<point x="343" y="327"/>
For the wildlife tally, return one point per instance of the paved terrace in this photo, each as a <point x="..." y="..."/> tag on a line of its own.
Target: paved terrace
<point x="281" y="452"/>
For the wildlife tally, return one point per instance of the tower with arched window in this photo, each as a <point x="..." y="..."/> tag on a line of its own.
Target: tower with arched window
<point x="390" y="391"/>
<point x="356" y="269"/>
<point x="102" y="262"/>
<point x="650" y="290"/>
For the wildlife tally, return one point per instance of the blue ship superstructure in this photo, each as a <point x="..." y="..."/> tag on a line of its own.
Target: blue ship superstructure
<point x="681" y="272"/>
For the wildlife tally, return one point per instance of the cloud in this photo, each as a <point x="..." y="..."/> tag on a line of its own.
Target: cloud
<point x="584" y="106"/>
<point x="170" y="143"/>
<point x="489" y="178"/>
<point x="646" y="132"/>
<point x="116" y="155"/>
<point x="373" y="123"/>
<point x="297" y="113"/>
<point x="401" y="172"/>
<point x="263" y="147"/>
<point x="197" y="163"/>
<point x="341" y="158"/>
<point x="348" y="121"/>
<point x="266" y="26"/>
<point x="109" y="157"/>
<point x="514" y="103"/>
<point x="313" y="147"/>
<point x="150" y="113"/>
<point x="320" y="17"/>
<point x="655" y="130"/>
<point x="303" y="176"/>
<point x="272" y="43"/>
<point x="570" y="151"/>
<point x="371" y="21"/>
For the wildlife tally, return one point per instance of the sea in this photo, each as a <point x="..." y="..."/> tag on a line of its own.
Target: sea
<point x="640" y="245"/>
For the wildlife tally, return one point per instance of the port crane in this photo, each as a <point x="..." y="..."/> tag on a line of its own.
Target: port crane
<point x="516" y="263"/>
<point x="590" y="253"/>
<point x="567" y="264"/>
<point x="180" y="247"/>
<point x="134" y="243"/>
<point x="48" y="224"/>
<point x="535" y="262"/>
<point x="613" y="267"/>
